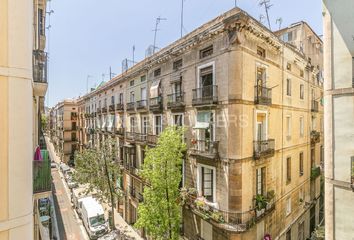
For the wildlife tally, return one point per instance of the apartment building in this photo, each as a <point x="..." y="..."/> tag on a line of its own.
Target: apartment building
<point x="339" y="123"/>
<point x="250" y="100"/>
<point x="23" y="85"/>
<point x="64" y="118"/>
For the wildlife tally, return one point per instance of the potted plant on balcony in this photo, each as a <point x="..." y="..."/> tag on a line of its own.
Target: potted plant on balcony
<point x="260" y="204"/>
<point x="270" y="198"/>
<point x="217" y="217"/>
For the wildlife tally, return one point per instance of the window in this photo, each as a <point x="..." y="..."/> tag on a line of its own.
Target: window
<point x="144" y="125"/>
<point x="132" y="124"/>
<point x="206" y="77"/>
<point x="288" y="127"/>
<point x="301" y="126"/>
<point x="177" y="64"/>
<point x="301" y="73"/>
<point x="301" y="231"/>
<point x="288" y="87"/>
<point x="288" y="234"/>
<point x="131" y="83"/>
<point x="157" y="124"/>
<point x="288" y="206"/>
<point x="157" y="72"/>
<point x="40" y="22"/>
<point x="288" y="169"/>
<point x="112" y="100"/>
<point x="302" y="91"/>
<point x="143" y="78"/>
<point x="105" y="103"/>
<point x="206" y="182"/>
<point x="301" y="164"/>
<point x="132" y="96"/>
<point x="178" y="120"/>
<point x="99" y="104"/>
<point x="121" y="98"/>
<point x="208" y="51"/>
<point x="261" y="52"/>
<point x="260" y="181"/>
<point x="301" y="195"/>
<point x="288" y="66"/>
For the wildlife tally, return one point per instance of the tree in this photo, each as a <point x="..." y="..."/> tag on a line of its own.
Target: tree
<point x="44" y="122"/>
<point x="160" y="212"/>
<point x="97" y="168"/>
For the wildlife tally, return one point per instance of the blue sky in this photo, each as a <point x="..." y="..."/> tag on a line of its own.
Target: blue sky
<point x="88" y="36"/>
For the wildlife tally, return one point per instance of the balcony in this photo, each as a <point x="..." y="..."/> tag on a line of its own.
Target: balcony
<point x="314" y="106"/>
<point x="155" y="104"/>
<point x="235" y="221"/>
<point x="140" y="197"/>
<point x="104" y="109"/>
<point x="263" y="148"/>
<point x="176" y="101"/>
<point x="142" y="105"/>
<point x="40" y="76"/>
<point x="111" y="108"/>
<point x="131" y="106"/>
<point x="140" y="137"/>
<point x="205" y="148"/>
<point x="42" y="181"/>
<point x="315" y="137"/>
<point x="119" y="131"/>
<point x="120" y="107"/>
<point x="130" y="136"/>
<point x="98" y="110"/>
<point x="207" y="95"/>
<point x="262" y="95"/>
<point x="152" y="139"/>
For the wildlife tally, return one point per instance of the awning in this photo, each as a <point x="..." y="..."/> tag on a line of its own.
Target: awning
<point x="154" y="89"/>
<point x="201" y="125"/>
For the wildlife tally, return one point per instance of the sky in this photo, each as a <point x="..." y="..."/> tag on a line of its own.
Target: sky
<point x="87" y="37"/>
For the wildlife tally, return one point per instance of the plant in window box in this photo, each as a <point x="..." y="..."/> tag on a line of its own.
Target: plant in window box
<point x="260" y="204"/>
<point x="217" y="217"/>
<point x="270" y="198"/>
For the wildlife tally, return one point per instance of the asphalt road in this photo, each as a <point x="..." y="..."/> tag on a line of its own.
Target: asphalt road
<point x="69" y="225"/>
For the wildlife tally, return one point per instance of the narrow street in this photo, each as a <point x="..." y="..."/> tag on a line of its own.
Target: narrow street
<point x="69" y="225"/>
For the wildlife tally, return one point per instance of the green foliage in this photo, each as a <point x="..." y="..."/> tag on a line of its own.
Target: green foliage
<point x="97" y="168"/>
<point x="44" y="121"/>
<point x="261" y="202"/>
<point x="160" y="213"/>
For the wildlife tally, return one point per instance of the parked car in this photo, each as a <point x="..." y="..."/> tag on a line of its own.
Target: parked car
<point x="92" y="215"/>
<point x="113" y="235"/>
<point x="71" y="183"/>
<point x="64" y="168"/>
<point x="68" y="174"/>
<point x="53" y="165"/>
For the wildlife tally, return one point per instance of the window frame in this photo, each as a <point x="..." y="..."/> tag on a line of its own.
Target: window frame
<point x="199" y="179"/>
<point x="288" y="169"/>
<point x="288" y="87"/>
<point x="301" y="164"/>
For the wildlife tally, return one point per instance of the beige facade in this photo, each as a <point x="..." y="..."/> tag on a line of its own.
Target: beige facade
<point x="64" y="120"/>
<point x="339" y="124"/>
<point x="250" y="100"/>
<point x="22" y="97"/>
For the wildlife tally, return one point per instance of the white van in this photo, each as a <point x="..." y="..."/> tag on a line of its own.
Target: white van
<point x="92" y="215"/>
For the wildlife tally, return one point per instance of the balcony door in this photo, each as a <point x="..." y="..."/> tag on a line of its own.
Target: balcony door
<point x="206" y="81"/>
<point x="261" y="127"/>
<point x="260" y="81"/>
<point x="143" y="93"/>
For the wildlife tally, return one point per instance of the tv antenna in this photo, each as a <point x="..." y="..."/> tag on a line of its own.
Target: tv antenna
<point x="182" y="17"/>
<point x="280" y="21"/>
<point x="261" y="18"/>
<point x="158" y="20"/>
<point x="235" y="3"/>
<point x="267" y="6"/>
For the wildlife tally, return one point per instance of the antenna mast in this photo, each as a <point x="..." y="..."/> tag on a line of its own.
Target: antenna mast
<point x="158" y="20"/>
<point x="267" y="6"/>
<point x="280" y="21"/>
<point x="182" y="16"/>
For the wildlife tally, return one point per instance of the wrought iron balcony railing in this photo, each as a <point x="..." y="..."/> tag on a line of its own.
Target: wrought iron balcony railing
<point x="142" y="105"/>
<point x="205" y="148"/>
<point x="120" y="107"/>
<point x="207" y="95"/>
<point x="40" y="66"/>
<point x="175" y="100"/>
<point x="263" y="148"/>
<point x="155" y="103"/>
<point x="131" y="106"/>
<point x="262" y="95"/>
<point x="111" y="108"/>
<point x="152" y="139"/>
<point x="315" y="137"/>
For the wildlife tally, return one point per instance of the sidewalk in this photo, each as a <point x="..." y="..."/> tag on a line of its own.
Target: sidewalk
<point x="124" y="227"/>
